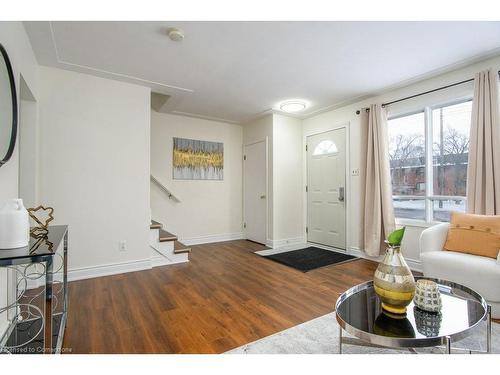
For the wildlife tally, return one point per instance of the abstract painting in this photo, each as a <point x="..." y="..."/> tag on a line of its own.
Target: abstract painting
<point x="198" y="160"/>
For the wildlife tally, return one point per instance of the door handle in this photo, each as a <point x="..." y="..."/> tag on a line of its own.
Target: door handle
<point x="262" y="197"/>
<point x="341" y="194"/>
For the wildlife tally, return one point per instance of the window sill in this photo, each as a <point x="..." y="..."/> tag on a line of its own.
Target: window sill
<point x="416" y="223"/>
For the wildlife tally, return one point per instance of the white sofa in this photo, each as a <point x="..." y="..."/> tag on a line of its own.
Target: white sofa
<point x="481" y="274"/>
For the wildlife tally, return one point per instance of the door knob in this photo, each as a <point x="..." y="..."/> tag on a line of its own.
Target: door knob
<point x="262" y="197"/>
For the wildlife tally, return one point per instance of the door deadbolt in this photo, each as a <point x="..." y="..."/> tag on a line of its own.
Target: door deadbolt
<point x="341" y="194"/>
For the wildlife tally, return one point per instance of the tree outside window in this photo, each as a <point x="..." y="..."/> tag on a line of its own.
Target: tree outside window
<point x="430" y="189"/>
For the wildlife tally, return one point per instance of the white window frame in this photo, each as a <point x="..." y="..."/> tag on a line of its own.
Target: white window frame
<point x="429" y="171"/>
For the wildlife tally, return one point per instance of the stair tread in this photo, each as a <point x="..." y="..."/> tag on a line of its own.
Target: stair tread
<point x="179" y="247"/>
<point x="166" y="236"/>
<point x="155" y="225"/>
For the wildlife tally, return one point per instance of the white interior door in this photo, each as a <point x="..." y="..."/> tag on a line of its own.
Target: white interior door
<point x="326" y="172"/>
<point x="255" y="191"/>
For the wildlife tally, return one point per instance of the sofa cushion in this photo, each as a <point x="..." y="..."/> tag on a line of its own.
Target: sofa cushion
<point x="474" y="234"/>
<point x="481" y="274"/>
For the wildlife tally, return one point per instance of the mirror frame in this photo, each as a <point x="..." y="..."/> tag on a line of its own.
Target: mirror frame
<point x="13" y="93"/>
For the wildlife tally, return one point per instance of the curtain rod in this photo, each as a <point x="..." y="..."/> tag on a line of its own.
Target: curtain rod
<point x="423" y="93"/>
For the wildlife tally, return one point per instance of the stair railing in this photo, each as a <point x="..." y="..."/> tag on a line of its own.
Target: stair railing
<point x="170" y="195"/>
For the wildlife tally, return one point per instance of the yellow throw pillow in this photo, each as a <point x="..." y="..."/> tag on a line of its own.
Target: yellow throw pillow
<point x="474" y="234"/>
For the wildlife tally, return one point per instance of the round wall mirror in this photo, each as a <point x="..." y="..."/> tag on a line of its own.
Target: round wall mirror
<point x="8" y="108"/>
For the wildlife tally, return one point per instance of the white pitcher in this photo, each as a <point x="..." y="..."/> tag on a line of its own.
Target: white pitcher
<point x="14" y="225"/>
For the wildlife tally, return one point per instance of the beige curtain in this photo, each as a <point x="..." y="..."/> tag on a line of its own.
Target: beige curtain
<point x="378" y="210"/>
<point x="483" y="171"/>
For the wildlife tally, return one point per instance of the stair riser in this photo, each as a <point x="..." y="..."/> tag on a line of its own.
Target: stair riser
<point x="163" y="251"/>
<point x="163" y="261"/>
<point x="153" y="236"/>
<point x="179" y="258"/>
<point x="159" y="260"/>
<point x="164" y="248"/>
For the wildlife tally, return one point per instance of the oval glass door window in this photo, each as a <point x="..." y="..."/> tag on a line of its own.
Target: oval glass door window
<point x="325" y="147"/>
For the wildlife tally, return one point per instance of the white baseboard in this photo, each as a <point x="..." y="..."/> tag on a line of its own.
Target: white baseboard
<point x="415" y="265"/>
<point x="108" y="269"/>
<point x="160" y="261"/>
<point x="146" y="264"/>
<point x="356" y="251"/>
<point x="118" y="268"/>
<point x="212" y="238"/>
<point x="156" y="261"/>
<point x="286" y="242"/>
<point x="331" y="248"/>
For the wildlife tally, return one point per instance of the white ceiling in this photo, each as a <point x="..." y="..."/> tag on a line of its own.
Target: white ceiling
<point x="235" y="71"/>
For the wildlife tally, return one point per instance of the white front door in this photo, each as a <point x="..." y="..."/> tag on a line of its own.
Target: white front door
<point x="255" y="190"/>
<point x="326" y="172"/>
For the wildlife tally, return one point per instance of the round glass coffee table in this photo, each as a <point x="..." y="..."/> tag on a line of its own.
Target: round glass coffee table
<point x="360" y="314"/>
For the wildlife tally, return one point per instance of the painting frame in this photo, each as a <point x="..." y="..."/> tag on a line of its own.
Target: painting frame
<point x="194" y="159"/>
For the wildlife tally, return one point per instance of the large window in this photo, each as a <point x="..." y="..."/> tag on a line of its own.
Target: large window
<point x="428" y="153"/>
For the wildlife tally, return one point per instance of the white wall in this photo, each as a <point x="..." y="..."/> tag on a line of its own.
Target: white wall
<point x="209" y="210"/>
<point x="29" y="150"/>
<point x="347" y="114"/>
<point x="14" y="39"/>
<point x="285" y="181"/>
<point x="356" y="158"/>
<point x="256" y="131"/>
<point x="288" y="181"/>
<point x="94" y="165"/>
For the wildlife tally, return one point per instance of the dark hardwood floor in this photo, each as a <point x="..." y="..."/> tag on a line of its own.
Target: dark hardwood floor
<point x="225" y="297"/>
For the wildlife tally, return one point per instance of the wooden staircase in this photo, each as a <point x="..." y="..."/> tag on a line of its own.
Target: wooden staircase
<point x="166" y="247"/>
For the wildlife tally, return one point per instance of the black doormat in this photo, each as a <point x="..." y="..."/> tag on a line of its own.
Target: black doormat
<point x="309" y="258"/>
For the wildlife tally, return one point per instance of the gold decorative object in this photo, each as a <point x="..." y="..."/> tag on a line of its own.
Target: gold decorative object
<point x="393" y="281"/>
<point x="41" y="239"/>
<point x="390" y="325"/>
<point x="42" y="229"/>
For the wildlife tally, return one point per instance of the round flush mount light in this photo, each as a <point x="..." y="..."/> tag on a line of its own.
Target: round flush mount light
<point x="175" y="34"/>
<point x="293" y="106"/>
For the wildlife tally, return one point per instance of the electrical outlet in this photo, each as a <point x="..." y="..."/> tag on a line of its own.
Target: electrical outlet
<point x="122" y="245"/>
<point x="355" y="172"/>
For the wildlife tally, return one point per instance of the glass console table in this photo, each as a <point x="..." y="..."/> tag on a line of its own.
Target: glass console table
<point x="360" y="314"/>
<point x="34" y="317"/>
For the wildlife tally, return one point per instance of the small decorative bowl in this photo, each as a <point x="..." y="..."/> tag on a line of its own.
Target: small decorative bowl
<point x="427" y="296"/>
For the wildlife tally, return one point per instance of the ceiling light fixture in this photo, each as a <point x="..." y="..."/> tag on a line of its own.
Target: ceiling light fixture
<point x="293" y="106"/>
<point x="175" y="34"/>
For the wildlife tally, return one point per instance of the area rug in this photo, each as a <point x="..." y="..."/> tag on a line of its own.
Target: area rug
<point x="321" y="336"/>
<point x="309" y="258"/>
